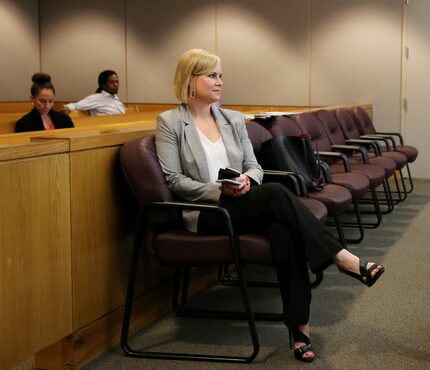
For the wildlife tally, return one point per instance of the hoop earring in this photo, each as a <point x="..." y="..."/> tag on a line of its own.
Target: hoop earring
<point x="193" y="94"/>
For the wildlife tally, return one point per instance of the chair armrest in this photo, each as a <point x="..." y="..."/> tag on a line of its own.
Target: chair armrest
<point x="326" y="172"/>
<point x="398" y="134"/>
<point x="337" y="155"/>
<point x="192" y="206"/>
<point x="352" y="149"/>
<point x="367" y="144"/>
<point x="387" y="137"/>
<point x="296" y="182"/>
<point x="385" y="140"/>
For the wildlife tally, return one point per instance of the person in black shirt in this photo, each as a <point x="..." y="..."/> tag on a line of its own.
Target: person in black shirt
<point x="42" y="116"/>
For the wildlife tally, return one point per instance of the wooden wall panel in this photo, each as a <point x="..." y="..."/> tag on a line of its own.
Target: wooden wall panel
<point x="102" y="235"/>
<point x="35" y="256"/>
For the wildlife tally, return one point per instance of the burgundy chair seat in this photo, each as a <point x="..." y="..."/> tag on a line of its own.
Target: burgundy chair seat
<point x="410" y="152"/>
<point x="400" y="158"/>
<point x="356" y="183"/>
<point x="336" y="198"/>
<point x="318" y="209"/>
<point x="375" y="174"/>
<point x="209" y="250"/>
<point x="388" y="164"/>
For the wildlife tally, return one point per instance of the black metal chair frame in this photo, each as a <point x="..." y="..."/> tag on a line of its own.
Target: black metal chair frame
<point x="374" y="140"/>
<point x="390" y="136"/>
<point x="182" y="307"/>
<point x="350" y="149"/>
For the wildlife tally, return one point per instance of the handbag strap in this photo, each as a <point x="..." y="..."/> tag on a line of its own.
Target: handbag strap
<point x="304" y="137"/>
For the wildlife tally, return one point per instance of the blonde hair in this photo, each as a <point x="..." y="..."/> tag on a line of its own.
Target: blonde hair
<point x="193" y="63"/>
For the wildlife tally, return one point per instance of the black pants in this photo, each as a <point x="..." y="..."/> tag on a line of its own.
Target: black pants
<point x="296" y="238"/>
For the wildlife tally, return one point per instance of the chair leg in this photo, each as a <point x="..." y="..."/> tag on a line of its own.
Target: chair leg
<point x="411" y="183"/>
<point x="374" y="201"/>
<point x="388" y="199"/>
<point x="182" y="356"/>
<point x="340" y="232"/>
<point x="401" y="194"/>
<point x="358" y="225"/>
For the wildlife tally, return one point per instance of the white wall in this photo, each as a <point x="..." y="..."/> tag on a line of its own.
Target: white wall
<point x="291" y="52"/>
<point x="158" y="32"/>
<point x="19" y="47"/>
<point x="264" y="50"/>
<point x="356" y="56"/>
<point x="80" y="38"/>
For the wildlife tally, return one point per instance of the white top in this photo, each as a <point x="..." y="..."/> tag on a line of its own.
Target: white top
<point x="99" y="104"/>
<point x="216" y="155"/>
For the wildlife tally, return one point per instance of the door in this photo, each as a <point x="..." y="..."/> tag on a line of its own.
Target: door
<point x="416" y="84"/>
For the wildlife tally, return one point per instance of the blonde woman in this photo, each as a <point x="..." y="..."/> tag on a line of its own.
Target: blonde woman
<point x="198" y="138"/>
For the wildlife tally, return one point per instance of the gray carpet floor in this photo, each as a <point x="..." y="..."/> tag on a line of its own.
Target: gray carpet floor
<point x="352" y="326"/>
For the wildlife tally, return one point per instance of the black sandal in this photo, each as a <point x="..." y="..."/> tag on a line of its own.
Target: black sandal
<point x="299" y="353"/>
<point x="365" y="275"/>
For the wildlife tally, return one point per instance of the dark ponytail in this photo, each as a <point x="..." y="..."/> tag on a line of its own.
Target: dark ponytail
<point x="103" y="77"/>
<point x="41" y="81"/>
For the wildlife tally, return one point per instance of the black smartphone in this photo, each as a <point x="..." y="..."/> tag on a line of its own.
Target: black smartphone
<point x="228" y="173"/>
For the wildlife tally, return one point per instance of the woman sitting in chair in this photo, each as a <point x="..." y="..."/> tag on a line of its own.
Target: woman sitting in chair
<point x="42" y="117"/>
<point x="198" y="138"/>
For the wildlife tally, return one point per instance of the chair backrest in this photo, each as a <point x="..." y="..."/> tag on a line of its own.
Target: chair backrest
<point x="331" y="126"/>
<point x="257" y="135"/>
<point x="309" y="124"/>
<point x="363" y="121"/>
<point x="347" y="124"/>
<point x="142" y="169"/>
<point x="281" y="126"/>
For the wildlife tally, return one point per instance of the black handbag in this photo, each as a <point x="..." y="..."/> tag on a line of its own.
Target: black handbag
<point x="295" y="154"/>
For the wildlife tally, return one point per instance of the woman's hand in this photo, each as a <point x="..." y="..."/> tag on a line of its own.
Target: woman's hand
<point x="229" y="190"/>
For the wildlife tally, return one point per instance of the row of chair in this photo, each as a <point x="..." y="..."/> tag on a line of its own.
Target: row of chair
<point x="367" y="167"/>
<point x="354" y="172"/>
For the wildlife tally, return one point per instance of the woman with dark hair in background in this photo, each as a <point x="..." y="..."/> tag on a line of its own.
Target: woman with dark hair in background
<point x="42" y="116"/>
<point x="105" y="101"/>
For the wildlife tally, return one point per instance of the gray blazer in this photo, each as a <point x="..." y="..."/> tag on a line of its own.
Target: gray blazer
<point x="183" y="159"/>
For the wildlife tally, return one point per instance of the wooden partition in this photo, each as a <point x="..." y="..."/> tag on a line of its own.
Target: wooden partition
<point x="35" y="248"/>
<point x="15" y="107"/>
